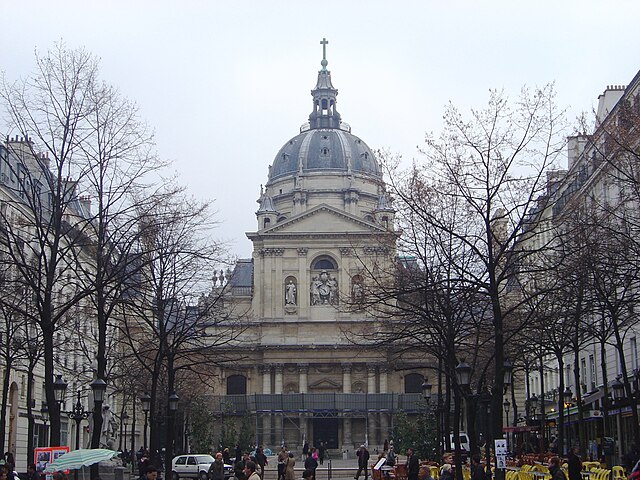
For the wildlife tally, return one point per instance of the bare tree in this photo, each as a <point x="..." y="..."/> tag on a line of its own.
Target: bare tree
<point x="480" y="180"/>
<point x="175" y="324"/>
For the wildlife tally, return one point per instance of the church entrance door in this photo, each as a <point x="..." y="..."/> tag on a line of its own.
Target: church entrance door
<point x="325" y="430"/>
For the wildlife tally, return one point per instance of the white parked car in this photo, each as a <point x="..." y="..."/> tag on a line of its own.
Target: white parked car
<point x="195" y="466"/>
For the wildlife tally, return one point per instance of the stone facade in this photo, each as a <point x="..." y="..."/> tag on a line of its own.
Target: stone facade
<point x="325" y="226"/>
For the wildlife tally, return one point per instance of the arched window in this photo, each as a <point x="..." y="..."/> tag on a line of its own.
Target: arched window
<point x="266" y="222"/>
<point x="324" y="263"/>
<point x="281" y="218"/>
<point x="236" y="385"/>
<point x="413" y="383"/>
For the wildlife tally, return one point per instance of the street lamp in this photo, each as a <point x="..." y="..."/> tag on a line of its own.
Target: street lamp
<point x="507" y="406"/>
<point x="123" y="422"/>
<point x="59" y="387"/>
<point x="44" y="413"/>
<point x="426" y="390"/>
<point x="170" y="433"/>
<point x="146" y="405"/>
<point x="173" y="402"/>
<point x="618" y="389"/>
<point x="99" y="387"/>
<point x="533" y="403"/>
<point x="508" y="372"/>
<point x="78" y="413"/>
<point x="567" y="395"/>
<point x="463" y="374"/>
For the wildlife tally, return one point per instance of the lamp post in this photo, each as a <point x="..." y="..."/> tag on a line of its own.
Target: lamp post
<point x="146" y="405"/>
<point x="170" y="434"/>
<point x="426" y="394"/>
<point x="567" y="396"/>
<point x="44" y="413"/>
<point x="123" y="423"/>
<point x="463" y="377"/>
<point x="78" y="413"/>
<point x="507" y="406"/>
<point x="618" y="394"/>
<point x="485" y="401"/>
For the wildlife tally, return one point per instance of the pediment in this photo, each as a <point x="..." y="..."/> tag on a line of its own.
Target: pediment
<point x="325" y="385"/>
<point x="324" y="219"/>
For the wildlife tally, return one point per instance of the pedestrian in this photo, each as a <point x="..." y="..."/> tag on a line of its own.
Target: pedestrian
<point x="477" y="470"/>
<point x="322" y="450"/>
<point x="289" y="473"/>
<point x="630" y="458"/>
<point x="413" y="466"/>
<point x="385" y="446"/>
<point x="282" y="461"/>
<point x="311" y="464"/>
<point x="555" y="470"/>
<point x="574" y="465"/>
<point x="314" y="453"/>
<point x="226" y="456"/>
<point x="307" y="474"/>
<point x="216" y="469"/>
<point x="363" y="462"/>
<point x="238" y="467"/>
<point x="4" y="472"/>
<point x="261" y="461"/>
<point x="143" y="463"/>
<point x="151" y="473"/>
<point x="238" y="453"/>
<point x="250" y="471"/>
<point x="32" y="473"/>
<point x="391" y="456"/>
<point x="305" y="450"/>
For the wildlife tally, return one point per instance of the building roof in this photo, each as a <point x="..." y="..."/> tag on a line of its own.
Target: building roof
<point x="325" y="143"/>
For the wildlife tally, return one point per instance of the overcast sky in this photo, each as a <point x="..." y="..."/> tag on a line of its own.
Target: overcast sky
<point x="226" y="83"/>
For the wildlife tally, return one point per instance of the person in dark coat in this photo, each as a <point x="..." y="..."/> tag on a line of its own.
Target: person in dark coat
<point x="311" y="464"/>
<point x="555" y="470"/>
<point x="413" y="466"/>
<point x="322" y="451"/>
<point x="261" y="459"/>
<point x="238" y="453"/>
<point x="445" y="472"/>
<point x="574" y="465"/>
<point x="216" y="470"/>
<point x="363" y="461"/>
<point x="305" y="450"/>
<point x="477" y="470"/>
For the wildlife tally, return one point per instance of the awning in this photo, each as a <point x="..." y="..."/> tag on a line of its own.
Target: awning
<point x="523" y="428"/>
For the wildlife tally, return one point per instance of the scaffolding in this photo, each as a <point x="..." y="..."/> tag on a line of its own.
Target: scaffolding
<point x="341" y="420"/>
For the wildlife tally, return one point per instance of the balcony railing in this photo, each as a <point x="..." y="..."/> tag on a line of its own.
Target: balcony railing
<point x="319" y="403"/>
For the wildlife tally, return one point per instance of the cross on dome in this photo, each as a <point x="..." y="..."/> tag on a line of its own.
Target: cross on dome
<point x="324" y="62"/>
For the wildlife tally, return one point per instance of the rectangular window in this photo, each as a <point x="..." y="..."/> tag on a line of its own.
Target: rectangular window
<point x="583" y="374"/>
<point x="592" y="373"/>
<point x="634" y="353"/>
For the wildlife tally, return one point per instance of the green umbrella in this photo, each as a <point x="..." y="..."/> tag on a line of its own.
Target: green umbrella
<point x="79" y="458"/>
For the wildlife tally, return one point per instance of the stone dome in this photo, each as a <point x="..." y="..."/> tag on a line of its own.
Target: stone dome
<point x="325" y="143"/>
<point x="325" y="150"/>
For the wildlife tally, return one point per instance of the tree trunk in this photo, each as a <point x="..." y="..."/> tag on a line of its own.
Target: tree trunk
<point x="30" y="411"/>
<point x="5" y="399"/>
<point x="561" y="424"/>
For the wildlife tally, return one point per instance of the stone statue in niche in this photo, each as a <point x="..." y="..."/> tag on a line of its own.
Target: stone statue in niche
<point x="324" y="289"/>
<point x="357" y="290"/>
<point x="290" y="294"/>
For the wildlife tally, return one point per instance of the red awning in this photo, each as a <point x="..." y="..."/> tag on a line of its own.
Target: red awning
<point x="524" y="428"/>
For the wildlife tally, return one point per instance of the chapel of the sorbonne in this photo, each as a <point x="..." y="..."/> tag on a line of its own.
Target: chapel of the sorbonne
<point x="324" y="226"/>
